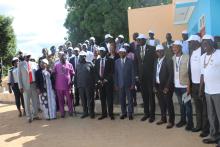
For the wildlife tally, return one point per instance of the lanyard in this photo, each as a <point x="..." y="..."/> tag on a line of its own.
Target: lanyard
<point x="178" y="63"/>
<point x="159" y="63"/>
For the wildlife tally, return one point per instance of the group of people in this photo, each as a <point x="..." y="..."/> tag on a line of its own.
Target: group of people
<point x="190" y="68"/>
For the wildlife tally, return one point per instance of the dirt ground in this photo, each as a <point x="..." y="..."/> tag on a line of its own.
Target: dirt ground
<point x="73" y="131"/>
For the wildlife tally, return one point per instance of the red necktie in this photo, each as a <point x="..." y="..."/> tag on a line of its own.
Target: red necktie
<point x="30" y="73"/>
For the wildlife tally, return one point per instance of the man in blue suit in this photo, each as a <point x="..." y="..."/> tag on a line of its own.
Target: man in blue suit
<point x="124" y="82"/>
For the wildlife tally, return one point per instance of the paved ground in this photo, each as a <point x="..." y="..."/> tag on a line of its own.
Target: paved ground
<point x="72" y="131"/>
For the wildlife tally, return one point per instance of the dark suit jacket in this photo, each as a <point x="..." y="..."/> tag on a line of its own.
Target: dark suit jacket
<point x="166" y="75"/>
<point x="108" y="70"/>
<point x="124" y="76"/>
<point x="39" y="80"/>
<point x="72" y="61"/>
<point x="145" y="69"/>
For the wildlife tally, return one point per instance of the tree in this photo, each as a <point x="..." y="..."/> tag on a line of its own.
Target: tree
<point x="97" y="17"/>
<point x="7" y="40"/>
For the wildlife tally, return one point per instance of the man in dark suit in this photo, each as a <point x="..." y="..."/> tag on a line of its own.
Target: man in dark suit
<point x="124" y="82"/>
<point x="144" y="63"/>
<point x="74" y="61"/>
<point x="104" y="68"/>
<point x="163" y="86"/>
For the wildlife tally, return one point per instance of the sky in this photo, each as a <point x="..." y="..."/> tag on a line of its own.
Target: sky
<point x="37" y="23"/>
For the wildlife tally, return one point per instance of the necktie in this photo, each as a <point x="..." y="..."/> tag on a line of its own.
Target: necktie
<point x="30" y="73"/>
<point x="102" y="68"/>
<point x="76" y="61"/>
<point x="142" y="52"/>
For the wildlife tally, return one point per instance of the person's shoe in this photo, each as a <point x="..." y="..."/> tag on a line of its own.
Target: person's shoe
<point x="189" y="128"/>
<point x="112" y="117"/>
<point x="161" y="122"/>
<point x="102" y="117"/>
<point x="71" y="114"/>
<point x="209" y="141"/>
<point x="24" y="113"/>
<point x="37" y="118"/>
<point x="76" y="104"/>
<point x="180" y="124"/>
<point x="135" y="103"/>
<point x="29" y="120"/>
<point x="84" y="115"/>
<point x="130" y="117"/>
<point x="170" y="125"/>
<point x="203" y="134"/>
<point x="20" y="114"/>
<point x="196" y="129"/>
<point x="123" y="116"/>
<point x="92" y="116"/>
<point x="151" y="120"/>
<point x="145" y="117"/>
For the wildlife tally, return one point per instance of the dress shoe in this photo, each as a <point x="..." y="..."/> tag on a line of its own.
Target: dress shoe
<point x="24" y="113"/>
<point x="170" y="125"/>
<point x="92" y="116"/>
<point x="37" y="118"/>
<point x="112" y="117"/>
<point x="151" y="120"/>
<point x="130" y="117"/>
<point x="181" y="124"/>
<point x="29" y="120"/>
<point x="209" y="141"/>
<point x="84" y="115"/>
<point x="196" y="129"/>
<point x="204" y="134"/>
<point x="135" y="103"/>
<point x="189" y="128"/>
<point x="20" y="114"/>
<point x="102" y="117"/>
<point x="76" y="104"/>
<point x="123" y="116"/>
<point x="161" y="122"/>
<point x="145" y="117"/>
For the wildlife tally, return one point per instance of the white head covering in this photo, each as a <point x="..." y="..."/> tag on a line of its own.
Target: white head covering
<point x="84" y="44"/>
<point x="126" y="44"/>
<point x="108" y="36"/>
<point x="70" y="48"/>
<point x="178" y="42"/>
<point x="142" y="36"/>
<point x="76" y="49"/>
<point x="27" y="54"/>
<point x="150" y="32"/>
<point x="122" y="50"/>
<point x="82" y="53"/>
<point x="92" y="38"/>
<point x="194" y="38"/>
<point x="61" y="52"/>
<point x="15" y="58"/>
<point x="159" y="47"/>
<point x="208" y="37"/>
<point x="121" y="36"/>
<point x="184" y="32"/>
<point x="86" y="41"/>
<point x="101" y="49"/>
<point x="45" y="61"/>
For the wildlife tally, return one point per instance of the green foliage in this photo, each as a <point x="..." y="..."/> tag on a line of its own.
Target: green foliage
<point x="7" y="40"/>
<point x="97" y="17"/>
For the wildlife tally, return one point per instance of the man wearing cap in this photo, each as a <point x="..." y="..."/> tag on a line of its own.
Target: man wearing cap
<point x="185" y="48"/>
<point x="27" y="86"/>
<point x="182" y="85"/>
<point x="120" y="42"/>
<point x="92" y="46"/>
<point x="64" y="73"/>
<point x="104" y="69"/>
<point x="144" y="64"/>
<point x="152" y="41"/>
<point x="44" y="56"/>
<point x="168" y="46"/>
<point x="74" y="61"/>
<point x="52" y="58"/>
<point x="69" y="53"/>
<point x="163" y="86"/>
<point x="13" y="86"/>
<point x="134" y="44"/>
<point x="195" y="74"/>
<point x="210" y="69"/>
<point x="106" y="43"/>
<point x="124" y="80"/>
<point x="85" y="83"/>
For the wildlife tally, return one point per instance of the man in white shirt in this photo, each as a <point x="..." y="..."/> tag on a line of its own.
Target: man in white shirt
<point x="151" y="41"/>
<point x="195" y="73"/>
<point x="185" y="48"/>
<point x="210" y="65"/>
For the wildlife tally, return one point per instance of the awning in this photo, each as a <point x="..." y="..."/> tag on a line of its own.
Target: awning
<point x="183" y="10"/>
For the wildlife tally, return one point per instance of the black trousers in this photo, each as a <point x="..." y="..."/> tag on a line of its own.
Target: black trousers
<point x="166" y="104"/>
<point x="76" y="90"/>
<point x="19" y="100"/>
<point x="87" y="98"/>
<point x="148" y="98"/>
<point x="200" y="108"/>
<point x="106" y="97"/>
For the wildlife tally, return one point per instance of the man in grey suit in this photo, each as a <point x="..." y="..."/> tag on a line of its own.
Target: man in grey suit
<point x="124" y="82"/>
<point x="27" y="86"/>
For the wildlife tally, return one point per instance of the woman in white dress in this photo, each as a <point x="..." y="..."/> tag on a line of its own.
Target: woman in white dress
<point x="45" y="90"/>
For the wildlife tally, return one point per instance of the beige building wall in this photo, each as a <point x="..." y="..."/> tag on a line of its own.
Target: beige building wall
<point x="158" y="19"/>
